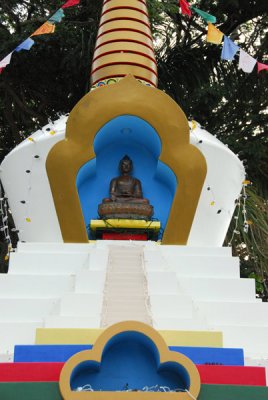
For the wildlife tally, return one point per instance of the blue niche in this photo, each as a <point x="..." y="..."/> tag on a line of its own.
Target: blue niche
<point x="133" y="136"/>
<point x="130" y="360"/>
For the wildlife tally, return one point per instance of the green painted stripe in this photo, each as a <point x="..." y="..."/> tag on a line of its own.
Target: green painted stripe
<point x="50" y="391"/>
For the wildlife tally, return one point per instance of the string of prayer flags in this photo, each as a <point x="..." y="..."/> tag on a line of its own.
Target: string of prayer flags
<point x="262" y="66"/>
<point x="70" y="3"/>
<point x="185" y="8"/>
<point x="229" y="49"/>
<point x="26" y="45"/>
<point x="5" y="62"/>
<point x="214" y="35"/>
<point x="44" y="29"/>
<point x="206" y="16"/>
<point x="246" y="62"/>
<point x="57" y="17"/>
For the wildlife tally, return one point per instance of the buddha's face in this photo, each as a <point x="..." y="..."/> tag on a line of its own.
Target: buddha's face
<point x="125" y="166"/>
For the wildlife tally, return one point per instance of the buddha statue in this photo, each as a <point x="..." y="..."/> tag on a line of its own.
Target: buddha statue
<point x="126" y="199"/>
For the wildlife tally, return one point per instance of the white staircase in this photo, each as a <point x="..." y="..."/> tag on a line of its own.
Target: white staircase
<point x="97" y="284"/>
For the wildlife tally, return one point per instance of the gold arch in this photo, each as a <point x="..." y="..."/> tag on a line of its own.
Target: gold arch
<point x="93" y="111"/>
<point x="95" y="354"/>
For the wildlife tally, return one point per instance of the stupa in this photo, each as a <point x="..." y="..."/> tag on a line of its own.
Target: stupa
<point x="160" y="298"/>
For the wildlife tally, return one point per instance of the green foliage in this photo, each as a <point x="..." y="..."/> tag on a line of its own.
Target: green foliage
<point x="54" y="75"/>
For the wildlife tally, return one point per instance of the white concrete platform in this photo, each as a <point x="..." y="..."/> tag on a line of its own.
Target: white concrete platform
<point x="35" y="247"/>
<point x="214" y="289"/>
<point x="198" y="266"/>
<point x="22" y="309"/>
<point x="48" y="264"/>
<point x="25" y="285"/>
<point x="90" y="281"/>
<point x="12" y="333"/>
<point x="253" y="339"/>
<point x="171" y="306"/>
<point x="72" y="322"/>
<point x="235" y="313"/>
<point x="81" y="305"/>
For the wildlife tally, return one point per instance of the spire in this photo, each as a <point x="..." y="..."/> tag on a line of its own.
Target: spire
<point x="124" y="43"/>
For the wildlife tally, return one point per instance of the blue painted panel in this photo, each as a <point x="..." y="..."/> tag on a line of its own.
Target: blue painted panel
<point x="212" y="355"/>
<point x="135" y="137"/>
<point x="61" y="353"/>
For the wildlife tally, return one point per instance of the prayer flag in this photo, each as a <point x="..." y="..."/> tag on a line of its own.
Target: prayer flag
<point x="229" y="49"/>
<point x="45" y="28"/>
<point x="246" y="62"/>
<point x="207" y="17"/>
<point x="26" y="45"/>
<point x="262" y="66"/>
<point x="185" y="7"/>
<point x="70" y="3"/>
<point x="1" y="70"/>
<point x="214" y="35"/>
<point x="57" y="17"/>
<point x="6" y="60"/>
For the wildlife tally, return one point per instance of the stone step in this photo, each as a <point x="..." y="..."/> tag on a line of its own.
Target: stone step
<point x="218" y="289"/>
<point x="33" y="286"/>
<point x="12" y="333"/>
<point x="23" y="309"/>
<point x="47" y="264"/>
<point x="35" y="247"/>
<point x="235" y="313"/>
<point x="71" y="322"/>
<point x="81" y="304"/>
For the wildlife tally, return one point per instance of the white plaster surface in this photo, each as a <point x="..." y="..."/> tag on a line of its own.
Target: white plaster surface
<point x="37" y="220"/>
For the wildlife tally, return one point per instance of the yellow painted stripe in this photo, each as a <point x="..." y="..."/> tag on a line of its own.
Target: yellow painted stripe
<point x="89" y="336"/>
<point x="124" y="223"/>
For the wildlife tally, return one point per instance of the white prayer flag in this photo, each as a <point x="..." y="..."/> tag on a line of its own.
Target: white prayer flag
<point x="246" y="62"/>
<point x="6" y="60"/>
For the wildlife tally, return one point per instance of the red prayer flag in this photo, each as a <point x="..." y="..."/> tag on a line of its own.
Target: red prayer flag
<point x="1" y="70"/>
<point x="185" y="8"/>
<point x="70" y="3"/>
<point x="261" y="66"/>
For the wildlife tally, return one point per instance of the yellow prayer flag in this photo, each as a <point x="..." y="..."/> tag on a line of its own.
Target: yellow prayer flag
<point x="45" y="28"/>
<point x="214" y="35"/>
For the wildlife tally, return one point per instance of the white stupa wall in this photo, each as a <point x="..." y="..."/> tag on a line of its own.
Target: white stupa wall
<point x="37" y="220"/>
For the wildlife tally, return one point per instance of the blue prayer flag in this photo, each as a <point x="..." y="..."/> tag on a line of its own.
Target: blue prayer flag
<point x="57" y="17"/>
<point x="26" y="45"/>
<point x="229" y="49"/>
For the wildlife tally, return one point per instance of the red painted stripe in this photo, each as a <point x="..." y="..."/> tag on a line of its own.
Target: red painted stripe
<point x="139" y="21"/>
<point x="232" y="375"/>
<point x="124" y="8"/>
<point x="210" y="374"/>
<point x="123" y="63"/>
<point x="123" y="40"/>
<point x="124" y="51"/>
<point x="124" y="236"/>
<point x="124" y="29"/>
<point x="122" y="76"/>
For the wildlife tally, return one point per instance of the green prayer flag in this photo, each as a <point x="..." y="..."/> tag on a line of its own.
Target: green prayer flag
<point x="207" y="17"/>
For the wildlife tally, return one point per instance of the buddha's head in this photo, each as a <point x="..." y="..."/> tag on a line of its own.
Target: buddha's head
<point x="125" y="165"/>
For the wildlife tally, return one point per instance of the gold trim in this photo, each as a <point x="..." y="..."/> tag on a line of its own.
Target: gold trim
<point x="92" y="112"/>
<point x="165" y="355"/>
<point x="115" y="70"/>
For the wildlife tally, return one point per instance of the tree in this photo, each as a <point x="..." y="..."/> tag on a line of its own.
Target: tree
<point x="50" y="79"/>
